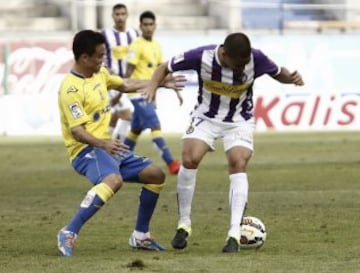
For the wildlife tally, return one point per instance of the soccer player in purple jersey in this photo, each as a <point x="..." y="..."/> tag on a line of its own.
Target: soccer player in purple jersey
<point x="118" y="38"/>
<point x="224" y="109"/>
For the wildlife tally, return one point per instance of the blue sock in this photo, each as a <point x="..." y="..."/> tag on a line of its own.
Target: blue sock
<point x="148" y="200"/>
<point x="164" y="150"/>
<point x="84" y="214"/>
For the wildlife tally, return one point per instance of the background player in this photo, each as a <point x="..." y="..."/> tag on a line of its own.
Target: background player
<point x="224" y="109"/>
<point x="118" y="39"/>
<point x="144" y="56"/>
<point x="85" y="115"/>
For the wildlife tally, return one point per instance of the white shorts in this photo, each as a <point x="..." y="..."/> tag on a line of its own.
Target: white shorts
<point x="123" y="104"/>
<point x="239" y="134"/>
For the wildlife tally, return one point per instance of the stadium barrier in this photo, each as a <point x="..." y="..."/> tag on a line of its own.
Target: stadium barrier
<point x="321" y="26"/>
<point x="32" y="69"/>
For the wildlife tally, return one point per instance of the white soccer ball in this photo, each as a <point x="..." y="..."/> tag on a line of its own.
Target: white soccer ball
<point x="253" y="233"/>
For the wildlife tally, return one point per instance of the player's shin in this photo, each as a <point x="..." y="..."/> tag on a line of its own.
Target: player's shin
<point x="186" y="182"/>
<point x="238" y="195"/>
<point x="95" y="198"/>
<point x="148" y="199"/>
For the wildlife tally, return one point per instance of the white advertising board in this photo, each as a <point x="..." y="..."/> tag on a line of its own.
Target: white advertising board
<point x="330" y="100"/>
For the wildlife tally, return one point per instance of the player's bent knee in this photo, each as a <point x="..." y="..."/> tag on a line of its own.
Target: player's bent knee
<point x="114" y="181"/>
<point x="152" y="174"/>
<point x="190" y="163"/>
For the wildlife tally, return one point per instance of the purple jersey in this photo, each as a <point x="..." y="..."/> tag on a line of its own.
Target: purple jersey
<point x="223" y="95"/>
<point x="117" y="48"/>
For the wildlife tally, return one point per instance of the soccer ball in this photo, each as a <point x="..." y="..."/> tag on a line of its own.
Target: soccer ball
<point x="253" y="233"/>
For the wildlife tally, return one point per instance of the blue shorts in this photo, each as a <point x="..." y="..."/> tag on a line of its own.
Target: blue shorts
<point x="96" y="164"/>
<point x="144" y="115"/>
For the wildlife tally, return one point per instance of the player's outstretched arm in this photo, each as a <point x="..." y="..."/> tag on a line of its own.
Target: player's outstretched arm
<point x="131" y="85"/>
<point x="285" y="76"/>
<point x="134" y="85"/>
<point x="157" y="79"/>
<point x="162" y="77"/>
<point x="175" y="82"/>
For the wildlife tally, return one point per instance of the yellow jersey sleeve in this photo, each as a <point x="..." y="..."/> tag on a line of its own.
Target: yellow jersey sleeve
<point x="111" y="80"/>
<point x="71" y="105"/>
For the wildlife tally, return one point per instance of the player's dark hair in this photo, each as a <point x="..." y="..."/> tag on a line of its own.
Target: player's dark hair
<point x="147" y="14"/>
<point x="85" y="42"/>
<point x="119" y="6"/>
<point x="237" y="45"/>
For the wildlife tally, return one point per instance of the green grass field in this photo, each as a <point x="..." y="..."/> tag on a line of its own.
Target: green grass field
<point x="305" y="187"/>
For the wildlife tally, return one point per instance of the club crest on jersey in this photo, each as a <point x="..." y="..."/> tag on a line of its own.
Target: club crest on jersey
<point x="72" y="89"/>
<point x="75" y="110"/>
<point x="190" y="129"/>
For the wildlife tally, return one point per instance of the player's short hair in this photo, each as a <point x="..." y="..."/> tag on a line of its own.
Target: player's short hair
<point x="147" y="14"/>
<point x="85" y="42"/>
<point x="119" y="6"/>
<point x="237" y="45"/>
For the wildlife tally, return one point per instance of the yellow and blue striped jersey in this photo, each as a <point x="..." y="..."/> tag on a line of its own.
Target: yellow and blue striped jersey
<point x="146" y="56"/>
<point x="85" y="101"/>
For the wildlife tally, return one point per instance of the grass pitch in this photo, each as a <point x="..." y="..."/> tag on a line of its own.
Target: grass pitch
<point x="305" y="187"/>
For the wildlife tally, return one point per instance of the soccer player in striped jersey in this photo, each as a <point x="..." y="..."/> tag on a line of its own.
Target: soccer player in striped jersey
<point x="143" y="58"/>
<point x="118" y="38"/>
<point x="224" y="109"/>
<point x="85" y="115"/>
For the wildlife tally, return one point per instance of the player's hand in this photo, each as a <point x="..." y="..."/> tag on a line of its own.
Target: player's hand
<point x="148" y="93"/>
<point x="175" y="82"/>
<point x="115" y="147"/>
<point x="296" y="78"/>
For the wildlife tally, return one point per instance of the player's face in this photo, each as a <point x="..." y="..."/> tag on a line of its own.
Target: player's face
<point x="120" y="16"/>
<point x="95" y="61"/>
<point x="147" y="28"/>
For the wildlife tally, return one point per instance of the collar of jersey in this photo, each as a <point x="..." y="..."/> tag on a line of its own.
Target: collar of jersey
<point x="77" y="74"/>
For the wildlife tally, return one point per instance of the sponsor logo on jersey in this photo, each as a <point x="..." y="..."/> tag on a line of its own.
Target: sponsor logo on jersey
<point x="225" y="89"/>
<point x="120" y="52"/>
<point x="96" y="115"/>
